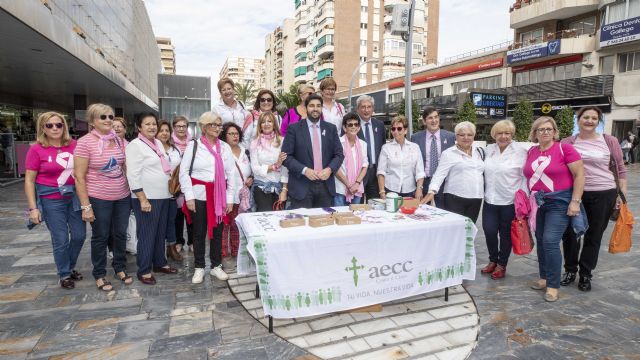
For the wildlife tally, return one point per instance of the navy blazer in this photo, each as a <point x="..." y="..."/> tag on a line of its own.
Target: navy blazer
<point x="447" y="140"/>
<point x="298" y="147"/>
<point x="379" y="136"/>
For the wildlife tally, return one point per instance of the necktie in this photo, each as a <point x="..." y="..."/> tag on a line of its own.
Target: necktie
<point x="433" y="156"/>
<point x="317" y="156"/>
<point x="368" y="141"/>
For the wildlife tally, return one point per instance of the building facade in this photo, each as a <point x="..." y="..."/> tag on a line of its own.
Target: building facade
<point x="167" y="55"/>
<point x="331" y="38"/>
<point x="244" y="70"/>
<point x="188" y="96"/>
<point x="279" y="57"/>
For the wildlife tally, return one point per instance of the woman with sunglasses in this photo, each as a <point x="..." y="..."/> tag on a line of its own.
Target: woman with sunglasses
<point x="266" y="102"/>
<point x="294" y="114"/>
<point x="50" y="190"/>
<point x="462" y="167"/>
<point x="400" y="167"/>
<point x="104" y="193"/>
<point x="349" y="188"/>
<point x="332" y="111"/>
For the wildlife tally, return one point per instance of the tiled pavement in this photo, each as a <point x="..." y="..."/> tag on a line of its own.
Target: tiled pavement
<point x="178" y="320"/>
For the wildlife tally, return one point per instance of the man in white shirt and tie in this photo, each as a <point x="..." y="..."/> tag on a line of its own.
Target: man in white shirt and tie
<point x="373" y="133"/>
<point x="432" y="141"/>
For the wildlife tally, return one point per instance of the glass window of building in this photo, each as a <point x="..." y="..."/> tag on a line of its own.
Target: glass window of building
<point x="419" y="94"/>
<point x="397" y="97"/>
<point x="491" y="82"/>
<point x="583" y="26"/>
<point x="620" y="10"/>
<point x="606" y="65"/>
<point x="531" y="37"/>
<point x="435" y="91"/>
<point x="629" y="61"/>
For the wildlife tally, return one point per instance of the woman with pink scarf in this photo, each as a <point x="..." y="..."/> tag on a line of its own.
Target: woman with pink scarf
<point x="181" y="137"/>
<point x="206" y="166"/>
<point x="103" y="192"/>
<point x="349" y="187"/>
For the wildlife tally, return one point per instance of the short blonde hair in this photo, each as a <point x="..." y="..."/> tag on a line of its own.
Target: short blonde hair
<point x="121" y="120"/>
<point x="95" y="110"/>
<point x="41" y="137"/>
<point x="503" y="125"/>
<point x="536" y="124"/>
<point x="208" y="118"/>
<point x="302" y="87"/>
<point x="465" y="125"/>
<point x="326" y="82"/>
<point x="269" y="116"/>
<point x="400" y="119"/>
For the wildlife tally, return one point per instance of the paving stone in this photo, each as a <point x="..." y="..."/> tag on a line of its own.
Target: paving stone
<point x="139" y="330"/>
<point x="391" y="353"/>
<point x="324" y="337"/>
<point x="70" y="341"/>
<point x="20" y="294"/>
<point x="236" y="333"/>
<point x="278" y="349"/>
<point x="341" y="349"/>
<point x="428" y="329"/>
<point x="387" y="338"/>
<point x="427" y="345"/>
<point x="369" y="327"/>
<point x="180" y="344"/>
<point x="331" y="321"/>
<point x="413" y="318"/>
<point x="293" y="330"/>
<point x="16" y="251"/>
<point x="454" y="354"/>
<point x="30" y="260"/>
<point x="9" y="278"/>
<point x="18" y="347"/>
<point x="125" y="351"/>
<point x="191" y="323"/>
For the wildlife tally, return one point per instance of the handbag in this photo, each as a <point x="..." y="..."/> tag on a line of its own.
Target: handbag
<point x="621" y="236"/>
<point x="278" y="205"/>
<point x="245" y="194"/>
<point x="174" y="182"/>
<point x="521" y="239"/>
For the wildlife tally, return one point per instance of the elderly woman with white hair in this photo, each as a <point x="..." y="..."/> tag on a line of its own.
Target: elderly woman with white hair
<point x="462" y="166"/>
<point x="206" y="165"/>
<point x="503" y="177"/>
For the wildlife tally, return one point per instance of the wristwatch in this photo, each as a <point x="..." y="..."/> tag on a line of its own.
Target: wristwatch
<point x="577" y="200"/>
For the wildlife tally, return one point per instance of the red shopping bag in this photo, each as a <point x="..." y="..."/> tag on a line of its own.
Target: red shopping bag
<point x="521" y="239"/>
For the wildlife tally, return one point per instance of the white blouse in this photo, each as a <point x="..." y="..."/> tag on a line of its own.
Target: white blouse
<point x="144" y="170"/>
<point x="503" y="173"/>
<point x="235" y="114"/>
<point x="174" y="156"/>
<point x="340" y="187"/>
<point x="204" y="169"/>
<point x="334" y="115"/>
<point x="262" y="158"/>
<point x="462" y="172"/>
<point x="236" y="179"/>
<point x="401" y="166"/>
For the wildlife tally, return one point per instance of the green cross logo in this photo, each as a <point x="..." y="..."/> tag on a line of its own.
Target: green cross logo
<point x="355" y="269"/>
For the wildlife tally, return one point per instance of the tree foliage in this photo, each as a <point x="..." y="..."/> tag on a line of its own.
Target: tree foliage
<point x="415" y="114"/>
<point x="467" y="112"/>
<point x="246" y="91"/>
<point x="288" y="99"/>
<point x="523" y="118"/>
<point x="564" y="119"/>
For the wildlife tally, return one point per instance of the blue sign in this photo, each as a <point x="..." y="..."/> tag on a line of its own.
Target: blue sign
<point x="490" y="105"/>
<point x="534" y="51"/>
<point x="620" y="32"/>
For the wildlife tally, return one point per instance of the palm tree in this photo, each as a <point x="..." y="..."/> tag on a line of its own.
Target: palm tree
<point x="246" y="91"/>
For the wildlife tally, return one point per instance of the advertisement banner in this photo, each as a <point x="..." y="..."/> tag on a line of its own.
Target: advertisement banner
<point x="492" y="106"/>
<point x="549" y="48"/>
<point x="620" y="32"/>
<point x="305" y="271"/>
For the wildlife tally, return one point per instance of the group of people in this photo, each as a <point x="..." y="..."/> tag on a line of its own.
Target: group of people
<point x="316" y="155"/>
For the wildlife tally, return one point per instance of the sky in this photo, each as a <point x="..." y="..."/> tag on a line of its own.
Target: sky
<point x="205" y="32"/>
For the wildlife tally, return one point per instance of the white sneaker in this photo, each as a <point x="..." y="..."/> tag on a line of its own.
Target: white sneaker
<point x="198" y="276"/>
<point x="219" y="273"/>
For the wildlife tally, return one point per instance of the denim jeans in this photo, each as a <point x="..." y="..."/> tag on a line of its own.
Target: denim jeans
<point x="171" y="224"/>
<point x="341" y="200"/>
<point x="112" y="217"/>
<point x="68" y="232"/>
<point x="496" y="220"/>
<point x="551" y="222"/>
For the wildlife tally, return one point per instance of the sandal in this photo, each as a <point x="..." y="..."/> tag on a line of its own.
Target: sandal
<point x="104" y="285"/>
<point x="122" y="276"/>
<point x="76" y="276"/>
<point x="67" y="283"/>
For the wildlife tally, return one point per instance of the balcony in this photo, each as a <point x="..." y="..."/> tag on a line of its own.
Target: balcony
<point x="325" y="50"/>
<point x="301" y="37"/>
<point x="572" y="41"/>
<point x="600" y="85"/>
<point x="528" y="12"/>
<point x="324" y="65"/>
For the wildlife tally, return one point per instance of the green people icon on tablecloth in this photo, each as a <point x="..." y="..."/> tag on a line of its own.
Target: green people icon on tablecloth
<point x="307" y="300"/>
<point x="355" y="269"/>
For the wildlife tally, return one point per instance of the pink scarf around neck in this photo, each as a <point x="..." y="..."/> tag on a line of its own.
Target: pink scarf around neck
<point x="166" y="167"/>
<point x="181" y="144"/>
<point x="104" y="139"/>
<point x="353" y="169"/>
<point x="264" y="141"/>
<point x="220" y="183"/>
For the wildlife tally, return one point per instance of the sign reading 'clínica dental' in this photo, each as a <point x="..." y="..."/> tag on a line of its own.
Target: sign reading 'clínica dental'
<point x="620" y="32"/>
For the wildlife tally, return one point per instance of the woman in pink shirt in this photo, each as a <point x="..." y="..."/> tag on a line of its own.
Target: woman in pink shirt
<point x="296" y="113"/>
<point x="603" y="164"/>
<point x="104" y="193"/>
<point x="555" y="177"/>
<point x="50" y="190"/>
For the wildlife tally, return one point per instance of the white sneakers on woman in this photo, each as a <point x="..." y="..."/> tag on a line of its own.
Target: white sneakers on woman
<point x="198" y="276"/>
<point x="219" y="273"/>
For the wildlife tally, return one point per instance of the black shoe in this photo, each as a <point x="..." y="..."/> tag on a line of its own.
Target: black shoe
<point x="584" y="284"/>
<point x="568" y="278"/>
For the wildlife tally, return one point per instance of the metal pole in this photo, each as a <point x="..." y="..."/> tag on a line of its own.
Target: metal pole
<point x="356" y="71"/>
<point x="407" y="70"/>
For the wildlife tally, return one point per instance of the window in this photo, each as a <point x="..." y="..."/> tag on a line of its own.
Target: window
<point x="363" y="25"/>
<point x="397" y="97"/>
<point x="621" y="10"/>
<point x="363" y="58"/>
<point x="364" y="9"/>
<point x="583" y="26"/>
<point x="629" y="61"/>
<point x="419" y="94"/>
<point x="552" y="73"/>
<point x="531" y="37"/>
<point x="491" y="82"/>
<point x="435" y="91"/>
<point x="363" y="42"/>
<point x="606" y="65"/>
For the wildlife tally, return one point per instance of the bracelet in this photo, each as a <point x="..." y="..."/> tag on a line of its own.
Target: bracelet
<point x="358" y="182"/>
<point x="382" y="192"/>
<point x="577" y="200"/>
<point x="85" y="207"/>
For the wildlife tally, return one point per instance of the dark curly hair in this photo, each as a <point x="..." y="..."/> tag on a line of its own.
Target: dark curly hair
<point x="225" y="130"/>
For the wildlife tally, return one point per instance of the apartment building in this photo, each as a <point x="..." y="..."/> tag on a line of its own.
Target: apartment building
<point x="331" y="38"/>
<point x="279" y="58"/>
<point x="244" y="70"/>
<point x="167" y="55"/>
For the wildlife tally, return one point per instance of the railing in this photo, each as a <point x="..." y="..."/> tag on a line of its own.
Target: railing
<point x="521" y="3"/>
<point x="600" y="85"/>
<point x="560" y="34"/>
<point x="486" y="49"/>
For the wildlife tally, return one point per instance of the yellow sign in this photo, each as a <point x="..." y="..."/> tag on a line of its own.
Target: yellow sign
<point x="546" y="108"/>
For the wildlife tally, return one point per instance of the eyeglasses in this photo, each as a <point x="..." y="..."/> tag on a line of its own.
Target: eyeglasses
<point x="180" y="126"/>
<point x="104" y="117"/>
<point x="308" y="93"/>
<point x="213" y="125"/>
<point x="465" y="135"/>
<point x="352" y="125"/>
<point x="544" y="130"/>
<point x="57" y="125"/>
<point x="233" y="134"/>
<point x="330" y="89"/>
<point x="399" y="128"/>
<point x="266" y="100"/>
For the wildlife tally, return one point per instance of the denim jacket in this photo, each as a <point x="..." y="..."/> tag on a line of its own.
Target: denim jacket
<point x="64" y="190"/>
<point x="579" y="223"/>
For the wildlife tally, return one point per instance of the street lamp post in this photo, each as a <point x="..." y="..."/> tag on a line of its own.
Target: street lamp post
<point x="356" y="71"/>
<point x="408" y="62"/>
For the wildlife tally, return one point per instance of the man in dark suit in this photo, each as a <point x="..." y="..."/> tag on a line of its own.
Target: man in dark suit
<point x="373" y="133"/>
<point x="432" y="142"/>
<point x="314" y="155"/>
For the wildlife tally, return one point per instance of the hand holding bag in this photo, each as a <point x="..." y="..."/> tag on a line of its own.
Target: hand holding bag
<point x="521" y="239"/>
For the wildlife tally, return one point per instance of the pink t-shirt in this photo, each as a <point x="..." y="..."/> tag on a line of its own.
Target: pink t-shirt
<point x="105" y="176"/>
<point x="547" y="170"/>
<point x="54" y="165"/>
<point x="595" y="155"/>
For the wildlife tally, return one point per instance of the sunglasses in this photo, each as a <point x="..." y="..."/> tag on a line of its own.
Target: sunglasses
<point x="352" y="125"/>
<point x="104" y="117"/>
<point x="266" y="100"/>
<point x="399" y="128"/>
<point x="57" y="125"/>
